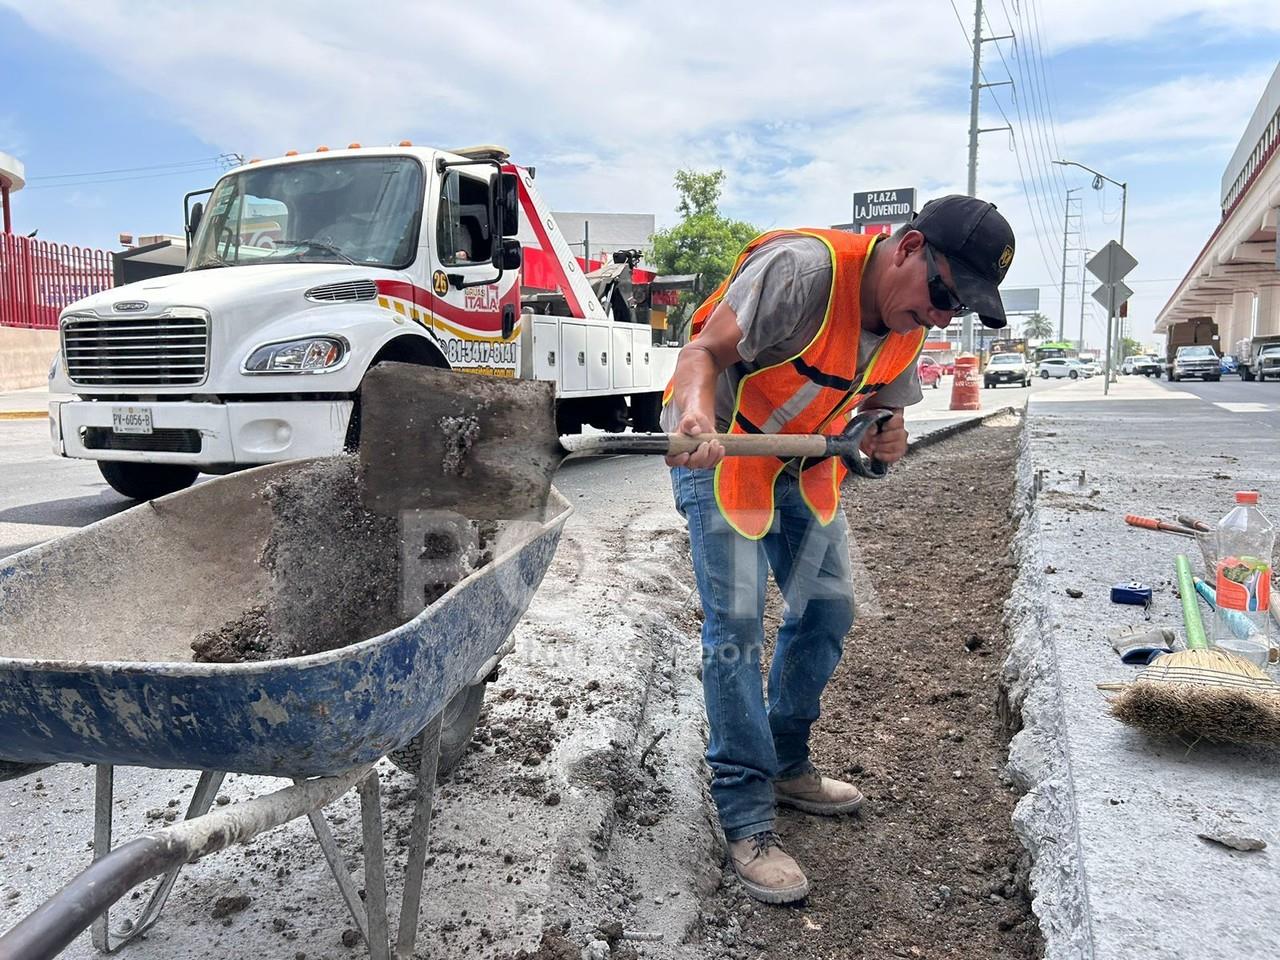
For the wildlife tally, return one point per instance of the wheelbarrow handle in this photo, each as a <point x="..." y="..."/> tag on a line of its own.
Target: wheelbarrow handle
<point x="845" y="445"/>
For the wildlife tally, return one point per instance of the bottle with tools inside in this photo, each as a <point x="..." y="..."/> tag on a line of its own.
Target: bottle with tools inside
<point x="1244" y="544"/>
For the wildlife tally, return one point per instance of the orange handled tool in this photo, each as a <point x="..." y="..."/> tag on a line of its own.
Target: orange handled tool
<point x="1151" y="523"/>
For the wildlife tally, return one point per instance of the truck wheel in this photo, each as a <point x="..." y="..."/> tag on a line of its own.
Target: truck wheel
<point x="146" y="481"/>
<point x="460" y="716"/>
<point x="646" y="411"/>
<point x="1247" y="375"/>
<point x="1262" y="377"/>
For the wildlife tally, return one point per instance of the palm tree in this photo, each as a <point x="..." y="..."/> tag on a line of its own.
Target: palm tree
<point x="1037" y="327"/>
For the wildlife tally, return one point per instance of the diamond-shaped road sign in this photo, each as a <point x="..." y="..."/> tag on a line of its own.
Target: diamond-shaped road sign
<point x="1112" y="263"/>
<point x="1119" y="290"/>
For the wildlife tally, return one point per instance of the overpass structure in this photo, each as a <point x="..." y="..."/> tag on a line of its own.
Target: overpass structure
<point x="1235" y="279"/>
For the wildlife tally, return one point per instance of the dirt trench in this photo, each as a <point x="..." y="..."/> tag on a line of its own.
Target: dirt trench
<point x="931" y="867"/>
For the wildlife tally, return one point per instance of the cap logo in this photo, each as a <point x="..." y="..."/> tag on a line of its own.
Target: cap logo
<point x="1006" y="257"/>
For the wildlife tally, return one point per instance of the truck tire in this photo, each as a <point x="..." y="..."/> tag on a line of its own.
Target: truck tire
<point x="460" y="716"/>
<point x="1261" y="377"/>
<point x="1246" y="374"/>
<point x="646" y="411"/>
<point x="1213" y="379"/>
<point x="146" y="481"/>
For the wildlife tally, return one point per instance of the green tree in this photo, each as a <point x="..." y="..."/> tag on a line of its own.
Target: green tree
<point x="1129" y="347"/>
<point x="703" y="242"/>
<point x="1037" y="327"/>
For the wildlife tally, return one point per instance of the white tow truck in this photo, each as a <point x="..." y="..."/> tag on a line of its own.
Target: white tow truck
<point x="305" y="271"/>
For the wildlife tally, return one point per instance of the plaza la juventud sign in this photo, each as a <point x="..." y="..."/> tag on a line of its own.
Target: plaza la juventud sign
<point x="884" y="206"/>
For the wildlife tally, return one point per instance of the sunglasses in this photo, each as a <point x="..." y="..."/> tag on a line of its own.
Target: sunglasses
<point x="940" y="295"/>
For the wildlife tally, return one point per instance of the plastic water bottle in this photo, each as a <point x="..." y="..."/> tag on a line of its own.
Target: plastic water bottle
<point x="1245" y="541"/>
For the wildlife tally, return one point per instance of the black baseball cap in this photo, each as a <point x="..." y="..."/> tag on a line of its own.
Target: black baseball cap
<point x="978" y="244"/>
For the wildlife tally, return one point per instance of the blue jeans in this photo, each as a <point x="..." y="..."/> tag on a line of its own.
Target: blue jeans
<point x="752" y="744"/>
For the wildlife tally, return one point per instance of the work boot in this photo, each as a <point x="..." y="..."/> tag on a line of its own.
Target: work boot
<point x="814" y="793"/>
<point x="766" y="870"/>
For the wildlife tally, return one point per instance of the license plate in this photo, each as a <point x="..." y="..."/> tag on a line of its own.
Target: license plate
<point x="130" y="419"/>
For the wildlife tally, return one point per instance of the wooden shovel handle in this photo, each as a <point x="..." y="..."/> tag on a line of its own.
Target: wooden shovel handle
<point x="663" y="444"/>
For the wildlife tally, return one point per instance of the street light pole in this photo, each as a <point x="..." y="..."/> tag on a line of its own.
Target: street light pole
<point x="1112" y="339"/>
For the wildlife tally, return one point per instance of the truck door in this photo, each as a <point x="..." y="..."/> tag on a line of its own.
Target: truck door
<point x="468" y="298"/>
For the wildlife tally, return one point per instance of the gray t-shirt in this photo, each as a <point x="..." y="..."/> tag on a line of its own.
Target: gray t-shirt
<point x="780" y="297"/>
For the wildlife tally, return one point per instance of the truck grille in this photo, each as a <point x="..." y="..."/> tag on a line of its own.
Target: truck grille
<point x="157" y="441"/>
<point x="155" y="351"/>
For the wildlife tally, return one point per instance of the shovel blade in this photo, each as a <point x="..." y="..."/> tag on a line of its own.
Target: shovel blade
<point x="430" y="439"/>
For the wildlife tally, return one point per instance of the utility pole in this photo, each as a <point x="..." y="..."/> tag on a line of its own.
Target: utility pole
<point x="966" y="329"/>
<point x="1062" y="287"/>
<point x="975" y="88"/>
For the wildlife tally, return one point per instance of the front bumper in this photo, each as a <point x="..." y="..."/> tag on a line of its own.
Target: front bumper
<point x="204" y="434"/>
<point x="1006" y="376"/>
<point x="1197" y="370"/>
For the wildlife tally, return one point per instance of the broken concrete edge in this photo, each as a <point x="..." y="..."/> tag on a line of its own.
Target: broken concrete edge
<point x="1031" y="707"/>
<point x="951" y="429"/>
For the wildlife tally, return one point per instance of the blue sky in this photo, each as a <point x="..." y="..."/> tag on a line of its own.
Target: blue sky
<point x="608" y="102"/>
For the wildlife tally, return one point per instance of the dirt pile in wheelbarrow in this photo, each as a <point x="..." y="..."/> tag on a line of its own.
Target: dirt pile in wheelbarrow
<point x="334" y="571"/>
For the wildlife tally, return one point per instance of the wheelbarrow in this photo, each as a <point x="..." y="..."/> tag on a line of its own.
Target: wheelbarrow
<point x="96" y="667"/>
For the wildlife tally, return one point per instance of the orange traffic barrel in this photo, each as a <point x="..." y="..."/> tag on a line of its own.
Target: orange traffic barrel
<point x="966" y="385"/>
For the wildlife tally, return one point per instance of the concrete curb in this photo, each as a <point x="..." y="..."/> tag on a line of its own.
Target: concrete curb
<point x="951" y="429"/>
<point x="1031" y="707"/>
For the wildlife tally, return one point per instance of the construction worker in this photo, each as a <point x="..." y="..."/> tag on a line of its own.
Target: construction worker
<point x="809" y="325"/>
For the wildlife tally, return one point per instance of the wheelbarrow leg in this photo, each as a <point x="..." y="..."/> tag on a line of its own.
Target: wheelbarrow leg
<point x="407" y="931"/>
<point x="375" y="867"/>
<point x="370" y="913"/>
<point x="104" y="788"/>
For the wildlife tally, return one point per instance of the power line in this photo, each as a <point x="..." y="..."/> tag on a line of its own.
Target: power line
<point x="203" y="161"/>
<point x="1037" y="224"/>
<point x="85" y="183"/>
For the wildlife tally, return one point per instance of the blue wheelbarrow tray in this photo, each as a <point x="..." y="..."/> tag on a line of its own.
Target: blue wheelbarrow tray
<point x="96" y="626"/>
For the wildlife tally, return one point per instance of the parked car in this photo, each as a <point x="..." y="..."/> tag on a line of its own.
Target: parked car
<point x="949" y="367"/>
<point x="1093" y="367"/>
<point x="1006" y="368"/>
<point x="1227" y="364"/>
<point x="929" y="371"/>
<point x="1068" y="367"/>
<point x="1195" y="360"/>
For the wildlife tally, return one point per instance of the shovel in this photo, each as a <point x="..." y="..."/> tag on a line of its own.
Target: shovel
<point x="487" y="448"/>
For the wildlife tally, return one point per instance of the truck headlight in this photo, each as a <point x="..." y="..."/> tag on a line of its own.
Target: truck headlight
<point x="309" y="355"/>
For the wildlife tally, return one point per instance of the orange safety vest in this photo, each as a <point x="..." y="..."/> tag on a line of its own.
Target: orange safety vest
<point x="813" y="392"/>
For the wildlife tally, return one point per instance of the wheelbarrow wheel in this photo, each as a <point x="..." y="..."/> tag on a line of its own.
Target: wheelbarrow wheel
<point x="459" y="723"/>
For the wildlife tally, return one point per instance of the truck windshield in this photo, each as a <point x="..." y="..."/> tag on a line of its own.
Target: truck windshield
<point x="363" y="210"/>
<point x="1196" y="352"/>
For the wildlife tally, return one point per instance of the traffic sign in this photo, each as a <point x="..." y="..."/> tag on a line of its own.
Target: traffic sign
<point x="1119" y="290"/>
<point x="1112" y="263"/>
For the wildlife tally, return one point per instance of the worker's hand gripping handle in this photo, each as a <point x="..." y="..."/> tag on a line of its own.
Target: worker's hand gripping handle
<point x="848" y="445"/>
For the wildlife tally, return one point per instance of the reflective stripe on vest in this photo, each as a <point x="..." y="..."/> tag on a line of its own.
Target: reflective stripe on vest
<point x="811" y="392"/>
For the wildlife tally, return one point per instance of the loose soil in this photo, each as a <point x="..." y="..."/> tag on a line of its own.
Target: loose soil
<point x="334" y="571"/>
<point x="930" y="867"/>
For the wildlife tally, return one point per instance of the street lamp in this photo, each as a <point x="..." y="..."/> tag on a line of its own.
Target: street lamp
<point x="1098" y="178"/>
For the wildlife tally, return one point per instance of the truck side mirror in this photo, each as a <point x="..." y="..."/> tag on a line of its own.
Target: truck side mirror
<point x="193" y="222"/>
<point x="506" y="254"/>
<point x="508" y="204"/>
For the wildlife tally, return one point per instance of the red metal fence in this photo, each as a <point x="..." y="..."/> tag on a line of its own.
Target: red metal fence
<point x="38" y="279"/>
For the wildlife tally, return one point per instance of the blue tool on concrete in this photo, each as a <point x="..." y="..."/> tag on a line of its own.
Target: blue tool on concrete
<point x="1137" y="594"/>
